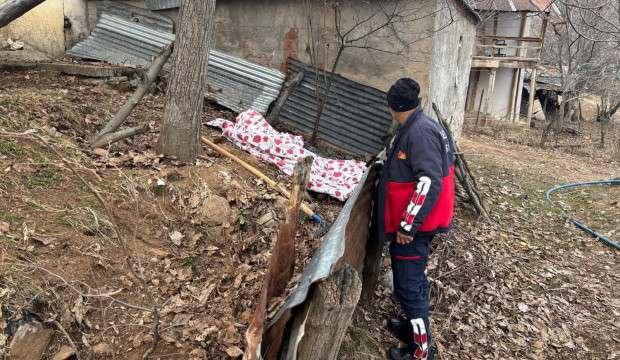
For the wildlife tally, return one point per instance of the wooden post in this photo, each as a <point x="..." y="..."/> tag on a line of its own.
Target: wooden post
<point x="513" y="97"/>
<point x="479" y="107"/>
<point x="329" y="315"/>
<point x="543" y="33"/>
<point x="287" y="90"/>
<point x="490" y="89"/>
<point x="530" y="105"/>
<point x="281" y="263"/>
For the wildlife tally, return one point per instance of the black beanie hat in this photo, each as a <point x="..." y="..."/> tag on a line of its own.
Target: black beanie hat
<point x="404" y="95"/>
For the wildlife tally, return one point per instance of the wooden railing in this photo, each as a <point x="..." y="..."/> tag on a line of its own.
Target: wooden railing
<point x="498" y="48"/>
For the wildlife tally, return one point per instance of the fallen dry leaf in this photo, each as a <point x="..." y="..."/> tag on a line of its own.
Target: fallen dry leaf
<point x="176" y="237"/>
<point x="43" y="239"/>
<point x="4" y="227"/>
<point x="234" y="351"/>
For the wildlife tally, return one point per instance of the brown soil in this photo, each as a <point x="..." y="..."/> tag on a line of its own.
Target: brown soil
<point x="204" y="275"/>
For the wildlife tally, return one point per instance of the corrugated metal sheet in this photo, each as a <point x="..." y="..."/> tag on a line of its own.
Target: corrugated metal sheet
<point x="119" y="41"/>
<point x="162" y="4"/>
<point x="239" y="84"/>
<point x="135" y="14"/>
<point x="356" y="118"/>
<point x="233" y="82"/>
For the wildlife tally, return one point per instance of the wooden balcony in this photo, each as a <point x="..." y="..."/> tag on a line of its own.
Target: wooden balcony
<point x="493" y="51"/>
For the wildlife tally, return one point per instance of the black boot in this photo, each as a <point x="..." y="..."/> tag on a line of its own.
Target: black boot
<point x="400" y="328"/>
<point x="396" y="353"/>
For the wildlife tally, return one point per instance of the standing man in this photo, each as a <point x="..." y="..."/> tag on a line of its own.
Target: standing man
<point x="415" y="202"/>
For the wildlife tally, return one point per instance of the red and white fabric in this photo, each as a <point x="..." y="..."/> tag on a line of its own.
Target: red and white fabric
<point x="252" y="133"/>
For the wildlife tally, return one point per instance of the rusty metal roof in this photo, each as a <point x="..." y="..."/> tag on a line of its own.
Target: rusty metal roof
<point x="512" y="5"/>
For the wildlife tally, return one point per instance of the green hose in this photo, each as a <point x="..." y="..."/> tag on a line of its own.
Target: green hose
<point x="604" y="239"/>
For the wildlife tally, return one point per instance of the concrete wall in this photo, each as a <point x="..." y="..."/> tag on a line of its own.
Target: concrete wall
<point x="76" y="13"/>
<point x="451" y="63"/>
<point x="42" y="28"/>
<point x="268" y="31"/>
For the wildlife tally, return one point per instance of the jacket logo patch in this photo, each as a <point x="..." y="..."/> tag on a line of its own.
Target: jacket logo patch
<point x="402" y="155"/>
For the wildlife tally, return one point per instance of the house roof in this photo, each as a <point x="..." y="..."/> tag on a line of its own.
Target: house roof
<point x="512" y="5"/>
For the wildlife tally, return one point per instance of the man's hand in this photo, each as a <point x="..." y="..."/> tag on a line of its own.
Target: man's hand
<point x="403" y="239"/>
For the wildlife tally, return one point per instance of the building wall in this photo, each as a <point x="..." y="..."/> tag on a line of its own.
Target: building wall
<point x="268" y="31"/>
<point x="451" y="63"/>
<point x="42" y="28"/>
<point x="76" y="13"/>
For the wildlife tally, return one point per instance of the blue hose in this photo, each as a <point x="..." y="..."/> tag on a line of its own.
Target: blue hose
<point x="604" y="239"/>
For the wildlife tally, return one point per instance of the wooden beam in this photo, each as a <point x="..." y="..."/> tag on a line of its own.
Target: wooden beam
<point x="512" y="64"/>
<point x="506" y="58"/>
<point x="530" y="106"/>
<point x="517" y="72"/>
<point x="520" y="47"/>
<point x="543" y="33"/>
<point x="521" y="34"/>
<point x="519" y="38"/>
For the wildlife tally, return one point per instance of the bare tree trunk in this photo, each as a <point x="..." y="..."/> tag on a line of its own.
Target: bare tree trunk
<point x="13" y="9"/>
<point x="180" y="132"/>
<point x="325" y="96"/>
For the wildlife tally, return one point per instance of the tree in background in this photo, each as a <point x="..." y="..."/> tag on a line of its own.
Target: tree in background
<point x="180" y="131"/>
<point x="583" y="49"/>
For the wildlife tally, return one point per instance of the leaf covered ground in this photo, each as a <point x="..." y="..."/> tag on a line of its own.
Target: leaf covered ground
<point x="527" y="286"/>
<point x="191" y="241"/>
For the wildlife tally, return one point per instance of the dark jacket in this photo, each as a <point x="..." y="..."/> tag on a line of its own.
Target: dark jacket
<point x="416" y="188"/>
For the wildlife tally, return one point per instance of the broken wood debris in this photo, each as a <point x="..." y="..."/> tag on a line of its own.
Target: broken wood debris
<point x="107" y="135"/>
<point x="86" y="70"/>
<point x="462" y="170"/>
<point x="281" y="264"/>
<point x="269" y="181"/>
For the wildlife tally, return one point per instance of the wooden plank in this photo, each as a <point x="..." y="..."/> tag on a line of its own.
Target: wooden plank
<point x="86" y="70"/>
<point x="282" y="261"/>
<point x="519" y="38"/>
<point x="497" y="63"/>
<point x="507" y="58"/>
<point x="520" y="47"/>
